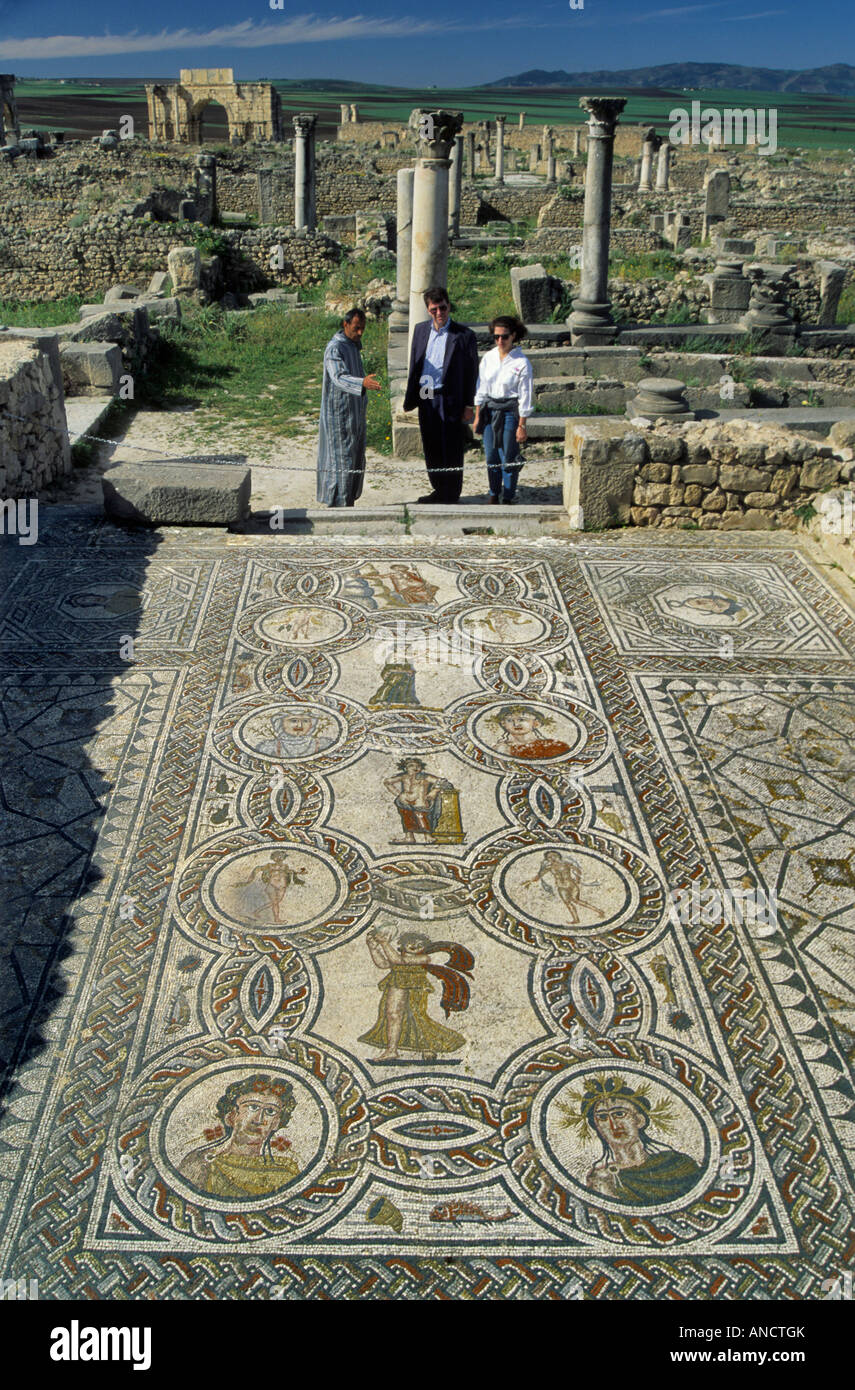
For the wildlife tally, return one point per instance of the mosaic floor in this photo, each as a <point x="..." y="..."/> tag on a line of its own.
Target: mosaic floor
<point x="382" y="922"/>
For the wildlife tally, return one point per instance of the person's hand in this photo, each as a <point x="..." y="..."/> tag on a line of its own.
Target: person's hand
<point x="522" y="432"/>
<point x="371" y="383"/>
<point x="468" y="413"/>
<point x="477" y="420"/>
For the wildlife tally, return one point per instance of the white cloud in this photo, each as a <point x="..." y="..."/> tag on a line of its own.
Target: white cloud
<point x="248" y="34"/>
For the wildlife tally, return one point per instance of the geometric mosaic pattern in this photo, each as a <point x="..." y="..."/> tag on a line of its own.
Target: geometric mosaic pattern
<point x="372" y="983"/>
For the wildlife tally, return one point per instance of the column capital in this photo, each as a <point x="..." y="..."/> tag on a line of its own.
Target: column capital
<point x="604" y="113"/>
<point x="303" y="123"/>
<point x="435" y="131"/>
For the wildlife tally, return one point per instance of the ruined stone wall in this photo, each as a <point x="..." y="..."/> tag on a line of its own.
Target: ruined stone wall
<point x="559" y="241"/>
<point x="86" y="260"/>
<point x="708" y="474"/>
<point x="790" y="216"/>
<point x="34" y="447"/>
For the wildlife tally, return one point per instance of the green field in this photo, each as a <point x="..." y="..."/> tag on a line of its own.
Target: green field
<point x="804" y="120"/>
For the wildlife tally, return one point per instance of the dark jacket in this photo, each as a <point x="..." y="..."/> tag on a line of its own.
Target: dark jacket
<point x="459" y="371"/>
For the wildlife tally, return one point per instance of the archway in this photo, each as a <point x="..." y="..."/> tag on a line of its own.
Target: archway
<point x="209" y="120"/>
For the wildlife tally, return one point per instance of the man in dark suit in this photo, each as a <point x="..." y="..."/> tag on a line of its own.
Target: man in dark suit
<point x="442" y="380"/>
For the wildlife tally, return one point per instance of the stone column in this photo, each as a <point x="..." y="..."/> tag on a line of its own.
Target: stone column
<point x="500" y="149"/>
<point x="663" y="167"/>
<point x="522" y="119"/>
<point x="354" y="114"/>
<point x="577" y="136"/>
<point x="404" y="245"/>
<point x="455" y="187"/>
<point x="470" y="153"/>
<point x="648" y="149"/>
<point x="591" y="321"/>
<point x="429" y="265"/>
<point x="304" y="171"/>
<point x="345" y="113"/>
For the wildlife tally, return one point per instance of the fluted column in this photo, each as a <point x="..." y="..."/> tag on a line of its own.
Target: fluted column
<point x="591" y="321"/>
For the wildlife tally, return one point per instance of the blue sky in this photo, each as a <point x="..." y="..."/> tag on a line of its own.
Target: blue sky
<point x="400" y="43"/>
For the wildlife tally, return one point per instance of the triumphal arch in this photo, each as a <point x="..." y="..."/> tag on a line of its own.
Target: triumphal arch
<point x="176" y="109"/>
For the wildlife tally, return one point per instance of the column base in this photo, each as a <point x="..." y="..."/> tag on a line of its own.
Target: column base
<point x="399" y="319"/>
<point x="591" y="324"/>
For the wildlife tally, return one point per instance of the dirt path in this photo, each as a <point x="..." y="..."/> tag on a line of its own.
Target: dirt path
<point x="283" y="470"/>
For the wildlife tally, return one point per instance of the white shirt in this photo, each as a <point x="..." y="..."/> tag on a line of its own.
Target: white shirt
<point x="503" y="379"/>
<point x="435" y="355"/>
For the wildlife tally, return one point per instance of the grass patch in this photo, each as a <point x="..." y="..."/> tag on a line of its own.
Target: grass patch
<point x="35" y="313"/>
<point x="846" y="307"/>
<point x="261" y="371"/>
<point x="644" y="265"/>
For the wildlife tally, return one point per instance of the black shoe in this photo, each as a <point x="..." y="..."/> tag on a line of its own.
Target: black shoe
<point x="509" y="501"/>
<point x="492" y="498"/>
<point x="431" y="497"/>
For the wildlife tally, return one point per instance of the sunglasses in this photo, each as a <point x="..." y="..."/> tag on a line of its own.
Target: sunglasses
<point x="501" y="336"/>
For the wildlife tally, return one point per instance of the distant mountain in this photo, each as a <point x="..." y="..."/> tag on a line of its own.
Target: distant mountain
<point x="836" y="80"/>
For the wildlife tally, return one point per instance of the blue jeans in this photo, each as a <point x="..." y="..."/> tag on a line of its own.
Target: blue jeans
<point x="501" y="449"/>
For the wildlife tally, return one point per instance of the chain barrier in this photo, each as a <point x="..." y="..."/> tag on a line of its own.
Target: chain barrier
<point x="215" y="458"/>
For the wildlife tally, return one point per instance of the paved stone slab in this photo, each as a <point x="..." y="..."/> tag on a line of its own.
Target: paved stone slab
<point x="177" y="494"/>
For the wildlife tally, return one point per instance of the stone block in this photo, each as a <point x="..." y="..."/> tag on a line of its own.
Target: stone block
<point x="177" y="494"/>
<point x="832" y="278"/>
<point x="652" y="494"/>
<point x="729" y="293"/>
<point x="761" y="499"/>
<point x="703" y="473"/>
<point x="666" y="448"/>
<point x="842" y="434"/>
<point x="736" y="478"/>
<point x="185" y="269"/>
<point x="693" y="495"/>
<point x="656" y="473"/>
<point x="819" y="474"/>
<point x="600" y="467"/>
<point x="119" y="292"/>
<point x="158" y="282"/>
<point x="92" y="368"/>
<point x="715" y="501"/>
<point x="535" y="293"/>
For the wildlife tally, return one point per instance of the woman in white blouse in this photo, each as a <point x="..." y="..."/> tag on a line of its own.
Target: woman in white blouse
<point x="503" y="401"/>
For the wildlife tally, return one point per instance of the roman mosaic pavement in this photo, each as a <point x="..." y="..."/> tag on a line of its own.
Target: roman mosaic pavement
<point x="428" y="919"/>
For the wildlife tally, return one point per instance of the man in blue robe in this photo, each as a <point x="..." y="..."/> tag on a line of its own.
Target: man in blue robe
<point x="341" y="435"/>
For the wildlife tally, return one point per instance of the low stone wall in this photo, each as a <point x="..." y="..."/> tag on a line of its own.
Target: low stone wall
<point x="709" y="475"/>
<point x="34" y="448"/>
<point x="560" y="241"/>
<point x="87" y="260"/>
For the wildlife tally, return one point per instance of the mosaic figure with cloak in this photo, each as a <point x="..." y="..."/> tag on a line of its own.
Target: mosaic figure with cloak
<point x="341" y="431"/>
<point x="403" y="1022"/>
<point x="632" y="1166"/>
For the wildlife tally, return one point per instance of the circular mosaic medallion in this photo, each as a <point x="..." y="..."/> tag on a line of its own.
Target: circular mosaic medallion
<point x="301" y="889"/>
<point x="261" y="732"/>
<point x="248" y="1146"/>
<point x="561" y="895"/>
<point x="526" y="733"/>
<point x="621" y="1147"/>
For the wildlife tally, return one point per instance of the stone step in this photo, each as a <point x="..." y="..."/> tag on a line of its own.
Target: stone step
<point x="83" y="415"/>
<point x="462" y="519"/>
